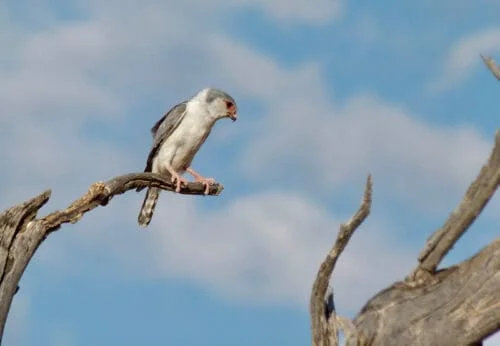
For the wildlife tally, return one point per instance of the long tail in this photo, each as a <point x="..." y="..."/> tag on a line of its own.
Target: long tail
<point x="148" y="206"/>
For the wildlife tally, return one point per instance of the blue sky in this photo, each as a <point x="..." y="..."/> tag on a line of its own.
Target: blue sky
<point x="327" y="92"/>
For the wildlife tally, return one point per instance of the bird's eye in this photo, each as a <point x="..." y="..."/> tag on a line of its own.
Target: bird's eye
<point x="229" y="104"/>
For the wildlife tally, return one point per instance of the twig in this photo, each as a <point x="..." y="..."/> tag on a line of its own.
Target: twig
<point x="325" y="332"/>
<point x="100" y="193"/>
<point x="477" y="196"/>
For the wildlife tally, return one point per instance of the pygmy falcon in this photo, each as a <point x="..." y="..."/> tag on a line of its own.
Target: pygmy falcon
<point x="178" y="136"/>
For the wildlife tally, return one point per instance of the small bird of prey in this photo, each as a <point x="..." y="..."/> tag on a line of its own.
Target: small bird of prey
<point x="178" y="136"/>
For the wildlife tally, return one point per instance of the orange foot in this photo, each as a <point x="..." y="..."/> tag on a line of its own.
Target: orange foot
<point x="178" y="180"/>
<point x="199" y="178"/>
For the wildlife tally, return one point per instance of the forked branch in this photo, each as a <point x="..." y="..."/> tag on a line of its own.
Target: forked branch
<point x="325" y="331"/>
<point x="451" y="306"/>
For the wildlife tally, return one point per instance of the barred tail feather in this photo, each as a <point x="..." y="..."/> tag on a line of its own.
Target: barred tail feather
<point x="148" y="206"/>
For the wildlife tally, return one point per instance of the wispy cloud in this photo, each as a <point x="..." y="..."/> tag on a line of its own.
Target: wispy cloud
<point x="267" y="247"/>
<point x="318" y="12"/>
<point x="304" y="135"/>
<point x="463" y="58"/>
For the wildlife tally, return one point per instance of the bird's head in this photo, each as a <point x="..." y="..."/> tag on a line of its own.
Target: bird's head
<point x="220" y="104"/>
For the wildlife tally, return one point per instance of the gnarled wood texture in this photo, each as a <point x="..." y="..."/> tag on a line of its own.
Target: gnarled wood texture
<point x="459" y="306"/>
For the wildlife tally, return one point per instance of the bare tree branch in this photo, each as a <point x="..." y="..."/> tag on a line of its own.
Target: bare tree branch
<point x="324" y="333"/>
<point x="453" y="306"/>
<point x="491" y="65"/>
<point x="21" y="234"/>
<point x="101" y="192"/>
<point x="477" y="196"/>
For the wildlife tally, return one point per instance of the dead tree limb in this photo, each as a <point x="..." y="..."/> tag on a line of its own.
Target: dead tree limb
<point x="324" y="326"/>
<point x="459" y="305"/>
<point x="21" y="233"/>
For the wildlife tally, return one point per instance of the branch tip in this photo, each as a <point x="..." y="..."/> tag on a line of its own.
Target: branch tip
<point x="327" y="328"/>
<point x="491" y="65"/>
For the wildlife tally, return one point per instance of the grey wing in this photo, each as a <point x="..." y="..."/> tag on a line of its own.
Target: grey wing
<point x="163" y="129"/>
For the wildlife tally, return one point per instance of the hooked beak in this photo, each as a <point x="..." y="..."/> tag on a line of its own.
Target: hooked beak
<point x="232" y="116"/>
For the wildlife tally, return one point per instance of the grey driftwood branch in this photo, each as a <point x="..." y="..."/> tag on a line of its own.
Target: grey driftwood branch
<point x="21" y="232"/>
<point x="459" y="305"/>
<point x="325" y="327"/>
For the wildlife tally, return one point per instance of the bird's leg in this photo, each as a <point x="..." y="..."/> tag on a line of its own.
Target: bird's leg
<point x="176" y="178"/>
<point x="197" y="177"/>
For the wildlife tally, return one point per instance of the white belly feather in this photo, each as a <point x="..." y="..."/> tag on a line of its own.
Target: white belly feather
<point x="179" y="148"/>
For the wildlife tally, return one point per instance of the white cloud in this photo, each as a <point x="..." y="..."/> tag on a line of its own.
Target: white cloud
<point x="463" y="57"/>
<point x="52" y="74"/>
<point x="55" y="155"/>
<point x="98" y="67"/>
<point x="319" y="12"/>
<point x="330" y="146"/>
<point x="316" y="12"/>
<point x="268" y="247"/>
<point x="305" y="136"/>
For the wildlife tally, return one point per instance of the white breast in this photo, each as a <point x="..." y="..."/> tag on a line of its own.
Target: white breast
<point x="179" y="149"/>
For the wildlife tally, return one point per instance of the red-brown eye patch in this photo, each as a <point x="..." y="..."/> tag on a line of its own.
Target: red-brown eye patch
<point x="229" y="105"/>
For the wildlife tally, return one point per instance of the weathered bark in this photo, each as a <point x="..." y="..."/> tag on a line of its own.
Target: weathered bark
<point x="21" y="233"/>
<point x="459" y="305"/>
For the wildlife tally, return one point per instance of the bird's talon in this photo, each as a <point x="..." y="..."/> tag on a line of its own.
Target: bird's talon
<point x="178" y="181"/>
<point x="207" y="182"/>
